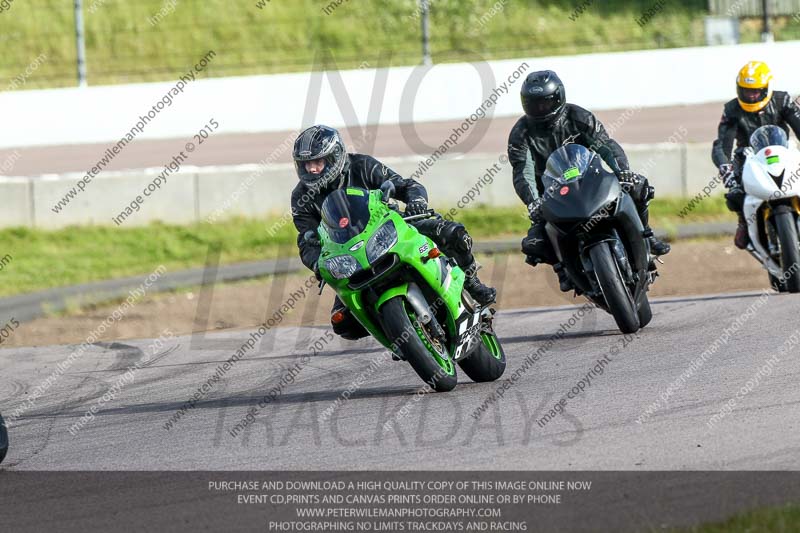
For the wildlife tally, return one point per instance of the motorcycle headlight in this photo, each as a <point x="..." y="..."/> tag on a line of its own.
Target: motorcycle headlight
<point x="383" y="239"/>
<point x="342" y="266"/>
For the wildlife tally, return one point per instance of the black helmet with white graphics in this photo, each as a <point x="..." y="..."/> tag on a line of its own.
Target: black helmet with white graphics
<point x="543" y="96"/>
<point x="320" y="142"/>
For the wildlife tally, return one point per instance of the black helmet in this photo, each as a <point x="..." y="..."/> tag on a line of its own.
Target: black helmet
<point x="543" y="96"/>
<point x="320" y="142"/>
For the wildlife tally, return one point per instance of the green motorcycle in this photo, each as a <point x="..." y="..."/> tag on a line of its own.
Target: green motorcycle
<point x="403" y="290"/>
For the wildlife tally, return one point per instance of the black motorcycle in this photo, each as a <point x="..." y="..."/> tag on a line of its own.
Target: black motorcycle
<point x="3" y="439"/>
<point x="598" y="236"/>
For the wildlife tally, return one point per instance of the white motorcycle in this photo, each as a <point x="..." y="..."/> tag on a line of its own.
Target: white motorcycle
<point x="771" y="180"/>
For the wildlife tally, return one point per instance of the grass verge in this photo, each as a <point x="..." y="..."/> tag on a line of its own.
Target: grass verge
<point x="783" y="519"/>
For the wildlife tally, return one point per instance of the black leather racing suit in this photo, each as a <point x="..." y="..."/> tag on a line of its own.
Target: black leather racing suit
<point x="530" y="145"/>
<point x="366" y="172"/>
<point x="738" y="125"/>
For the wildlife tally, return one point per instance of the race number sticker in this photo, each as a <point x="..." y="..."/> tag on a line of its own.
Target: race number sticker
<point x="571" y="173"/>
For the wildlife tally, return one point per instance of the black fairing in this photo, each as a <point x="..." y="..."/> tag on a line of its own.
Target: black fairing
<point x="576" y="201"/>
<point x="592" y="209"/>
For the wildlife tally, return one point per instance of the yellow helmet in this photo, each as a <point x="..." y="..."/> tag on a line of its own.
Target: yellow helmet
<point x="753" y="86"/>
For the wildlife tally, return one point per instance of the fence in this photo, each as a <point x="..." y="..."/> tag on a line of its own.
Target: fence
<point x="154" y="40"/>
<point x="753" y="8"/>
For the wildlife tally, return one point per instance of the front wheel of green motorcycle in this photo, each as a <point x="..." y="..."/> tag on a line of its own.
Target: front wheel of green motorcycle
<point x="427" y="356"/>
<point x="488" y="360"/>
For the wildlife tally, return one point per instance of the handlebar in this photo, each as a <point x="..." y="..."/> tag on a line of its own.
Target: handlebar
<point x="427" y="214"/>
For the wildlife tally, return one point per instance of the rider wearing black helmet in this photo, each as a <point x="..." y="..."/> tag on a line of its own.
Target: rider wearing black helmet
<point x="323" y="165"/>
<point x="549" y="123"/>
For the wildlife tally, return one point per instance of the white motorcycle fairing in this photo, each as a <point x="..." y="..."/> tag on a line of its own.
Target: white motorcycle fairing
<point x="760" y="187"/>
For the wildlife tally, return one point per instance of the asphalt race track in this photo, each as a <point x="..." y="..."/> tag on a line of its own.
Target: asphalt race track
<point x="598" y="431"/>
<point x="390" y="423"/>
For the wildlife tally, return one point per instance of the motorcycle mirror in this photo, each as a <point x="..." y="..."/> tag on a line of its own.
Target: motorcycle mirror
<point x="388" y="190"/>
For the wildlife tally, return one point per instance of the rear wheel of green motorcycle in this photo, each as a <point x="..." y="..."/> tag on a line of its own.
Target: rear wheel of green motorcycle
<point x="487" y="362"/>
<point x="430" y="361"/>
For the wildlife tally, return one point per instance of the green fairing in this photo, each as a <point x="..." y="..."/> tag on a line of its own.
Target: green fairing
<point x="408" y="248"/>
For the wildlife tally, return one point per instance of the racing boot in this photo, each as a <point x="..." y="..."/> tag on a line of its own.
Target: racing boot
<point x="741" y="239"/>
<point x="657" y="246"/>
<point x="564" y="283"/>
<point x="481" y="293"/>
<point x="345" y="324"/>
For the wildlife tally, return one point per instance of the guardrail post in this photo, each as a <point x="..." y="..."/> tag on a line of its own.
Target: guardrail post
<point x="80" y="44"/>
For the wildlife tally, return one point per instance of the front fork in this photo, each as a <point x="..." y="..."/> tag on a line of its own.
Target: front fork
<point x="617" y="248"/>
<point x="425" y="314"/>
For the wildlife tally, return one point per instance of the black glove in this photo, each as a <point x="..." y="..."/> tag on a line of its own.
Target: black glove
<point x="628" y="179"/>
<point x="417" y="206"/>
<point x="726" y="173"/>
<point x="535" y="209"/>
<point x="316" y="272"/>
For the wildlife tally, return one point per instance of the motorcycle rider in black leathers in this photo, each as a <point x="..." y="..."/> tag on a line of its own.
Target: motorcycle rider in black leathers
<point x="323" y="166"/>
<point x="549" y="123"/>
<point x="756" y="105"/>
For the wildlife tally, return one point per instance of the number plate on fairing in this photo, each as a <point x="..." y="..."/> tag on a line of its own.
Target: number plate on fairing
<point x="468" y="327"/>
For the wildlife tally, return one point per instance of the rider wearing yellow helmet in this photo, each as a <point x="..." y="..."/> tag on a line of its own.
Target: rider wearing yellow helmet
<point x="755" y="105"/>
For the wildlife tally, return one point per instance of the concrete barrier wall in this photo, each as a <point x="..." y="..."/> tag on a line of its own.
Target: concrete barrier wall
<point x="211" y="193"/>
<point x="284" y="102"/>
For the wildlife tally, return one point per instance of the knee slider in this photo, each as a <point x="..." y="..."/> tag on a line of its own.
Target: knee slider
<point x="535" y="242"/>
<point x="455" y="235"/>
<point x="642" y="192"/>
<point x="734" y="199"/>
<point x="648" y="191"/>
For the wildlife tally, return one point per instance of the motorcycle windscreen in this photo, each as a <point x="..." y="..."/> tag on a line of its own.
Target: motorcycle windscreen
<point x="577" y="187"/>
<point x="345" y="213"/>
<point x="768" y="136"/>
<point x="567" y="165"/>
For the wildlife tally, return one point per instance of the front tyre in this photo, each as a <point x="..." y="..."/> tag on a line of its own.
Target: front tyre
<point x="488" y="360"/>
<point x="427" y="357"/>
<point x="790" y="253"/>
<point x="3" y="439"/>
<point x="618" y="299"/>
